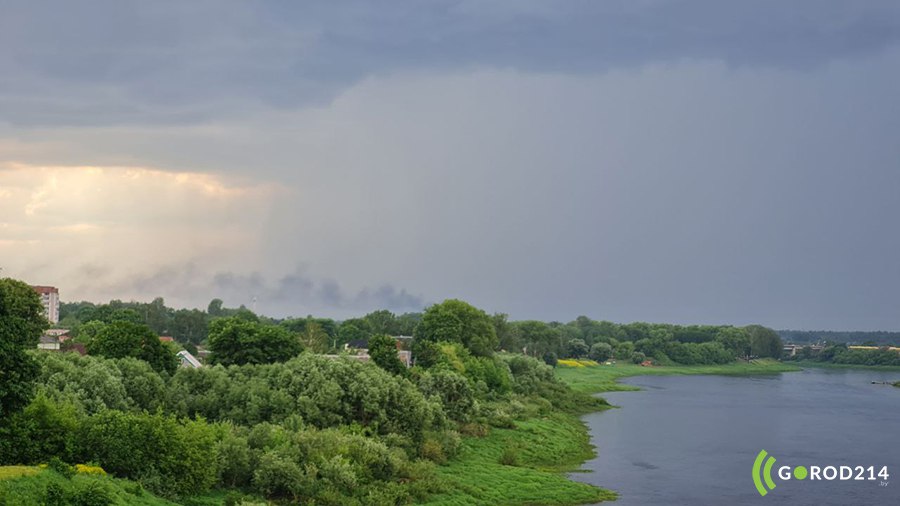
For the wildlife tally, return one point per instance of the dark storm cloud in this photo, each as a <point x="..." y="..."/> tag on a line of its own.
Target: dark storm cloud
<point x="704" y="161"/>
<point x="295" y="294"/>
<point x="112" y="62"/>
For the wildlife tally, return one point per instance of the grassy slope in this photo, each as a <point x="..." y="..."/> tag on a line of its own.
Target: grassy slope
<point x="605" y="378"/>
<point x="546" y="446"/>
<point x="552" y="445"/>
<point x="27" y="486"/>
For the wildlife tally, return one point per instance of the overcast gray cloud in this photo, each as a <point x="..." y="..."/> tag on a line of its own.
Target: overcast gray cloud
<point x="657" y="160"/>
<point x="111" y="61"/>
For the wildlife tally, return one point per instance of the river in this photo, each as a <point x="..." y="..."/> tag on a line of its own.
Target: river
<point x="693" y="439"/>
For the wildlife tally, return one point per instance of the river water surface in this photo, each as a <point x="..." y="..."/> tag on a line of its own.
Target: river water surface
<point x="692" y="439"/>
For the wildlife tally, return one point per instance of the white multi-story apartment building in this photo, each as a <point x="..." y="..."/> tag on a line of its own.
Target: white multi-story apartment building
<point x="50" y="300"/>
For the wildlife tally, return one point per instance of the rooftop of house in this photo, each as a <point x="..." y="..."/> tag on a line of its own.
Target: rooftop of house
<point x="45" y="289"/>
<point x="188" y="359"/>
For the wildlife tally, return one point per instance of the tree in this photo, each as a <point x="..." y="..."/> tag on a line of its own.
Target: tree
<point x="382" y="322"/>
<point x="601" y="352"/>
<point x="383" y="350"/>
<point x="189" y="326"/>
<point x="538" y="338"/>
<point x="235" y="340"/>
<point x="215" y="308"/>
<point x="577" y="348"/>
<point x="550" y="359"/>
<point x="735" y="340"/>
<point x="121" y="339"/>
<point x="456" y="321"/>
<point x="349" y="331"/>
<point x="314" y="338"/>
<point x="507" y="333"/>
<point x="764" y="342"/>
<point x="21" y="323"/>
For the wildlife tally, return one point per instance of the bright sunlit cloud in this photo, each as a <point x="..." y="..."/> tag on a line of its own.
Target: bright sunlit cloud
<point x="56" y="219"/>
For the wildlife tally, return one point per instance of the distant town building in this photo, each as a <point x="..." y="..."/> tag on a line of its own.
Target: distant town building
<point x="188" y="360"/>
<point x="62" y="334"/>
<point x="50" y="343"/>
<point x="50" y="300"/>
<point x="167" y="339"/>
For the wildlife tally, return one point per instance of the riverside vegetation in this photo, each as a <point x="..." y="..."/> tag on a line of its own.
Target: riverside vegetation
<point x="274" y="421"/>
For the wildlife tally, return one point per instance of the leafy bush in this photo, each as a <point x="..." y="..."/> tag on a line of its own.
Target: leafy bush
<point x="453" y="390"/>
<point x="323" y="392"/>
<point x="601" y="352"/>
<point x="490" y="375"/>
<point x="510" y="456"/>
<point x="528" y="374"/>
<point x="168" y="456"/>
<point x="61" y="467"/>
<point x="44" y="430"/>
<point x="325" y="466"/>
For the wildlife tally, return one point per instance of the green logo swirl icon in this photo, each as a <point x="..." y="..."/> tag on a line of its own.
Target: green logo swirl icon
<point x="766" y="473"/>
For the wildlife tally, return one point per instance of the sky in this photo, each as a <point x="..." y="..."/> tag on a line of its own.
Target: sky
<point x="635" y="160"/>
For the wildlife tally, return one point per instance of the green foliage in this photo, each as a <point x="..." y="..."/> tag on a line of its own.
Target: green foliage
<point x="322" y="391"/>
<point x="601" y="352"/>
<point x="43" y="431"/>
<point x="841" y="354"/>
<point x="455" y="321"/>
<point x="168" y="456"/>
<point x="327" y="466"/>
<point x="550" y="359"/>
<point x="121" y="339"/>
<point x="489" y="375"/>
<point x="538" y="338"/>
<point x="453" y="390"/>
<point x="94" y="384"/>
<point x="764" y="342"/>
<point x="577" y="348"/>
<point x="21" y="323"/>
<point x="237" y="340"/>
<point x="528" y="374"/>
<point x="49" y="488"/>
<point x="383" y="350"/>
<point x="544" y="447"/>
<point x="638" y="357"/>
<point x="56" y="464"/>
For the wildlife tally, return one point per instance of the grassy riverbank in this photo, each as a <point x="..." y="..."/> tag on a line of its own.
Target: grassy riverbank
<point x="521" y="466"/>
<point x="604" y="378"/>
<point x="831" y="365"/>
<point x="525" y="465"/>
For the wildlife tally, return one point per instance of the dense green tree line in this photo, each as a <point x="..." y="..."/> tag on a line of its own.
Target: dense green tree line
<point x="271" y="416"/>
<point x="841" y="354"/>
<point x="191" y="327"/>
<point x="871" y="338"/>
<point x="268" y="418"/>
<point x="664" y="343"/>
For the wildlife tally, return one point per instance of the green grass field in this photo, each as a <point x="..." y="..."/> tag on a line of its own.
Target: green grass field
<point x="545" y="447"/>
<point x="604" y="378"/>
